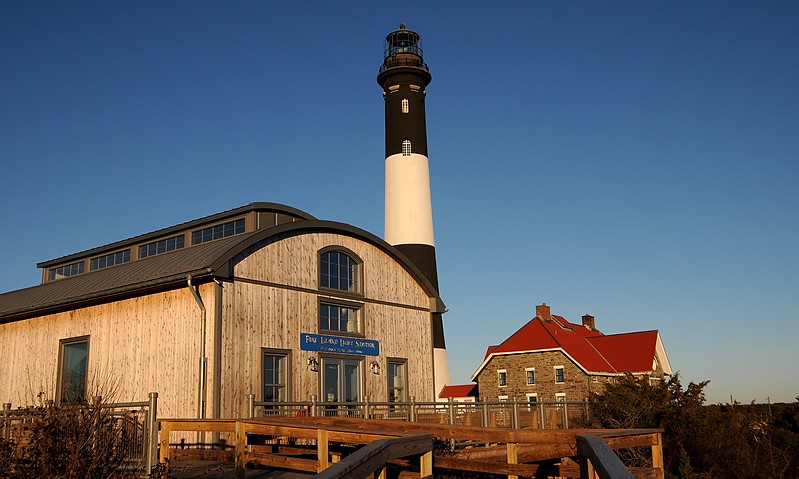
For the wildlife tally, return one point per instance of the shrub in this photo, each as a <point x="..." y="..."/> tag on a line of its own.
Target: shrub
<point x="65" y="442"/>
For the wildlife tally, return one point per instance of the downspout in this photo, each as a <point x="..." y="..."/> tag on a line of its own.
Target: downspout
<point x="201" y="386"/>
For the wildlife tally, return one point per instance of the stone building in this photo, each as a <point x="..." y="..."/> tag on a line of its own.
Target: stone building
<point x="551" y="359"/>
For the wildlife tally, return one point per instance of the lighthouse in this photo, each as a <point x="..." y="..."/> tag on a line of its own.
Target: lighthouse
<point x="404" y="77"/>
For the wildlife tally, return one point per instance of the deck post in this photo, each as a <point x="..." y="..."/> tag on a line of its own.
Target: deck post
<point x="451" y="412"/>
<point x="486" y="420"/>
<point x="543" y="416"/>
<point x="565" y="415"/>
<point x="426" y="464"/>
<point x="513" y="457"/>
<point x="250" y="406"/>
<point x="321" y="450"/>
<point x="313" y="405"/>
<point x="515" y="424"/>
<point x="657" y="454"/>
<point x="241" y="444"/>
<point x="412" y="413"/>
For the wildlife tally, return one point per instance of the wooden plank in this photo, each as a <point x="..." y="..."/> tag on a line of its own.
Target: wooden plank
<point x="485" y="466"/>
<point x="282" y="462"/>
<point x="525" y="452"/>
<point x="204" y="455"/>
<point x="450" y="432"/>
<point x="217" y="425"/>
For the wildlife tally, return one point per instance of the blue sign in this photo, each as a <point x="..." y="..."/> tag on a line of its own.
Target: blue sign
<point x="339" y="344"/>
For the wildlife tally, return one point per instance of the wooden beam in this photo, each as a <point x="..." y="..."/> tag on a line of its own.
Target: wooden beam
<point x="657" y="455"/>
<point x="489" y="467"/>
<point x="283" y="462"/>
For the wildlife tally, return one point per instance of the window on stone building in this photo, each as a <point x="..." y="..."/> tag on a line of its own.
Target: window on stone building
<point x="530" y="372"/>
<point x="502" y="377"/>
<point x="559" y="376"/>
<point x="532" y="401"/>
<point x="560" y="398"/>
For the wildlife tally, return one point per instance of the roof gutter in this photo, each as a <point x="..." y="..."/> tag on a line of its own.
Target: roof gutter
<point x="203" y="361"/>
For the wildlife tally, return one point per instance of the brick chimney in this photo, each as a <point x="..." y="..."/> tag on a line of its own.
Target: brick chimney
<point x="542" y="311"/>
<point x="588" y="322"/>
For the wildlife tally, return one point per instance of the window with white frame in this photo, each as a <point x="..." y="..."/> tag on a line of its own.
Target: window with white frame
<point x="397" y="391"/>
<point x="560" y="398"/>
<point x="559" y="375"/>
<point x="530" y="373"/>
<point x="405" y="105"/>
<point x="532" y="400"/>
<point x="503" y="398"/>
<point x="406" y="147"/>
<point x="502" y="378"/>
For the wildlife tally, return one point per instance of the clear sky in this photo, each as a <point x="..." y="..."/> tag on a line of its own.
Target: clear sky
<point x="634" y="160"/>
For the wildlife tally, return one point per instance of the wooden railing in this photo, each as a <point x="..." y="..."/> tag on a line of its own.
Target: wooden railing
<point x="314" y="444"/>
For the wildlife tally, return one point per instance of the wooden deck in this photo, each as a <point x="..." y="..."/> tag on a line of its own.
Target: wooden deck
<point x="313" y="444"/>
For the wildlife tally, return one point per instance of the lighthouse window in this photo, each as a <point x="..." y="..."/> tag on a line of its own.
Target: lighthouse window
<point x="405" y="105"/>
<point x="406" y="147"/>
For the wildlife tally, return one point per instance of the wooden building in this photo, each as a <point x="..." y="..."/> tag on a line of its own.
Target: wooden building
<point x="262" y="299"/>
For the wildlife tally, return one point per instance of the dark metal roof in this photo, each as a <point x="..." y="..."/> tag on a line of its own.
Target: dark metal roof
<point x="258" y="206"/>
<point x="170" y="270"/>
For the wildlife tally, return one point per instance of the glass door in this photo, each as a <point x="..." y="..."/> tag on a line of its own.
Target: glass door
<point x="341" y="380"/>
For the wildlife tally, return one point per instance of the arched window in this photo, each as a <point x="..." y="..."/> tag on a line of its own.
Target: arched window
<point x="406" y="147"/>
<point x="405" y="105"/>
<point x="339" y="271"/>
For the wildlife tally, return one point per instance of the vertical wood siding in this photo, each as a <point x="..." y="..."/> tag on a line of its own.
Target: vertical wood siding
<point x="139" y="345"/>
<point x="258" y="316"/>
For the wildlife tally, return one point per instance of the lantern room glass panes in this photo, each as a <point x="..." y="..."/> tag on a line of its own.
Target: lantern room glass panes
<point x="405" y="105"/>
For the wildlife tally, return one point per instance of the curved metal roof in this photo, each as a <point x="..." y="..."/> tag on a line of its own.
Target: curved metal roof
<point x="170" y="270"/>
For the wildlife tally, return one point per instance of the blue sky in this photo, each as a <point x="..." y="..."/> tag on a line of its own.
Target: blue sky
<point x="632" y="160"/>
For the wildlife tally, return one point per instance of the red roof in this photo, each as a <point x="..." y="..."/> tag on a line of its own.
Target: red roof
<point x="592" y="350"/>
<point x="459" y="391"/>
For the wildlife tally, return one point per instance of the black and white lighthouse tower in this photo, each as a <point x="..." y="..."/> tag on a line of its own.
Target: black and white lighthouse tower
<point x="404" y="77"/>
